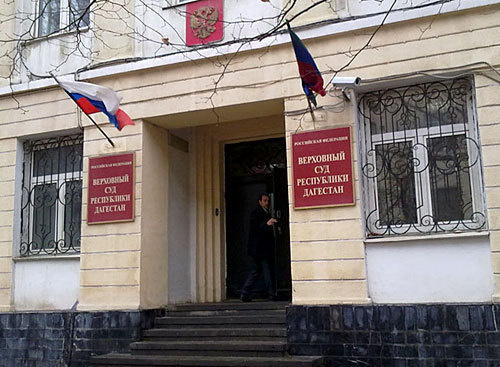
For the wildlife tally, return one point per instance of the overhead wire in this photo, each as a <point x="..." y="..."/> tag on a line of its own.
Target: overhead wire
<point x="461" y="71"/>
<point x="429" y="72"/>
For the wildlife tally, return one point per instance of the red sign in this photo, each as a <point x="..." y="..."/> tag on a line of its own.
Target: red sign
<point x="204" y="22"/>
<point x="111" y="189"/>
<point x="322" y="168"/>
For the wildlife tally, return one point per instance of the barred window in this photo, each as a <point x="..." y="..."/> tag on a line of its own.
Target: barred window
<point x="52" y="196"/>
<point x="421" y="169"/>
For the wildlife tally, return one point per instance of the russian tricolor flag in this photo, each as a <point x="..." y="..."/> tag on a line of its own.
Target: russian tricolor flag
<point x="92" y="98"/>
<point x="309" y="73"/>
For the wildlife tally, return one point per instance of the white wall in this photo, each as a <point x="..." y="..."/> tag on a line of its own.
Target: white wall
<point x="66" y="52"/>
<point x="61" y="52"/>
<point x="434" y="270"/>
<point x="180" y="201"/>
<point x="240" y="19"/>
<point x="48" y="284"/>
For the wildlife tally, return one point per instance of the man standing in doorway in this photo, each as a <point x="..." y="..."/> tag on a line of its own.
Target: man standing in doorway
<point x="260" y="248"/>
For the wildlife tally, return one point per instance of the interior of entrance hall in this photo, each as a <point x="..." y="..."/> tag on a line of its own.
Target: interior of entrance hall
<point x="202" y="263"/>
<point x="251" y="169"/>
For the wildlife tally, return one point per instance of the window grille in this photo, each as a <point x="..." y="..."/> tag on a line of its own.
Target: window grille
<point x="421" y="169"/>
<point x="52" y="196"/>
<point x="250" y="158"/>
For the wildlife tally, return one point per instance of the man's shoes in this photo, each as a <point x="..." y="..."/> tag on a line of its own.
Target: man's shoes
<point x="273" y="298"/>
<point x="245" y="298"/>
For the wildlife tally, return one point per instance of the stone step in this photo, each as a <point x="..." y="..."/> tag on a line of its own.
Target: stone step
<point x="221" y="321"/>
<point x="226" y="306"/>
<point x="128" y="360"/>
<point x="214" y="335"/>
<point x="211" y="333"/>
<point x="230" y="312"/>
<point x="230" y="348"/>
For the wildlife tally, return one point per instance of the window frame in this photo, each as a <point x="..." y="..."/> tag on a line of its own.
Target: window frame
<point x="64" y="20"/>
<point x="61" y="179"/>
<point x="423" y="191"/>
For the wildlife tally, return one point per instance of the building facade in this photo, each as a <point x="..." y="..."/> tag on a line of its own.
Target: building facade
<point x="413" y="263"/>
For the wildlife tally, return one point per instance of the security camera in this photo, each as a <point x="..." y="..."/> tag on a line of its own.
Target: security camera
<point x="347" y="81"/>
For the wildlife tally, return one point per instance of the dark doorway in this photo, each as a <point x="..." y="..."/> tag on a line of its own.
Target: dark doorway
<point x="253" y="168"/>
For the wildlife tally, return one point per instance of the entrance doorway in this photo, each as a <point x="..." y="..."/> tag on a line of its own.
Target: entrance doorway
<point x="252" y="168"/>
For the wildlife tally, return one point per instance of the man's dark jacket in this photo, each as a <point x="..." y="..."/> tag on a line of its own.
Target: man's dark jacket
<point x="261" y="237"/>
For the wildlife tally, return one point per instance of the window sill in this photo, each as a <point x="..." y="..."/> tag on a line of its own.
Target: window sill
<point x="165" y="7"/>
<point x="55" y="35"/>
<point x="408" y="238"/>
<point x="46" y="257"/>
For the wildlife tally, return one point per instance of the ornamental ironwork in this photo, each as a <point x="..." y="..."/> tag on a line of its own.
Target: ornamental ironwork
<point x="256" y="157"/>
<point x="52" y="196"/>
<point x="421" y="167"/>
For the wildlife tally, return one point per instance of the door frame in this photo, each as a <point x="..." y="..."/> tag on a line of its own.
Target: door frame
<point x="209" y="145"/>
<point x="223" y="196"/>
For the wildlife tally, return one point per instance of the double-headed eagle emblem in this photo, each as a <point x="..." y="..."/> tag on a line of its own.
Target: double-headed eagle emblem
<point x="203" y="21"/>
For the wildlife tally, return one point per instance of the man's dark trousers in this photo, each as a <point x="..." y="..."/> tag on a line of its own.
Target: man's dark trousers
<point x="263" y="267"/>
<point x="261" y="249"/>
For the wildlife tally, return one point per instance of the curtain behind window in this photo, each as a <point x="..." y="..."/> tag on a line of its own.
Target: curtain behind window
<point x="49" y="17"/>
<point x="79" y="14"/>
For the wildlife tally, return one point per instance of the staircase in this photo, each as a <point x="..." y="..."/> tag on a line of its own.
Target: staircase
<point x="214" y="334"/>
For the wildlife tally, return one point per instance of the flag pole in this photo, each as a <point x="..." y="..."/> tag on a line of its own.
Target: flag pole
<point x="91" y="119"/>
<point x="307" y="96"/>
<point x="311" y="108"/>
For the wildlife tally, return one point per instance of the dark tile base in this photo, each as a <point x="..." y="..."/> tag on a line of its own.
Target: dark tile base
<point x="67" y="339"/>
<point x="393" y="335"/>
